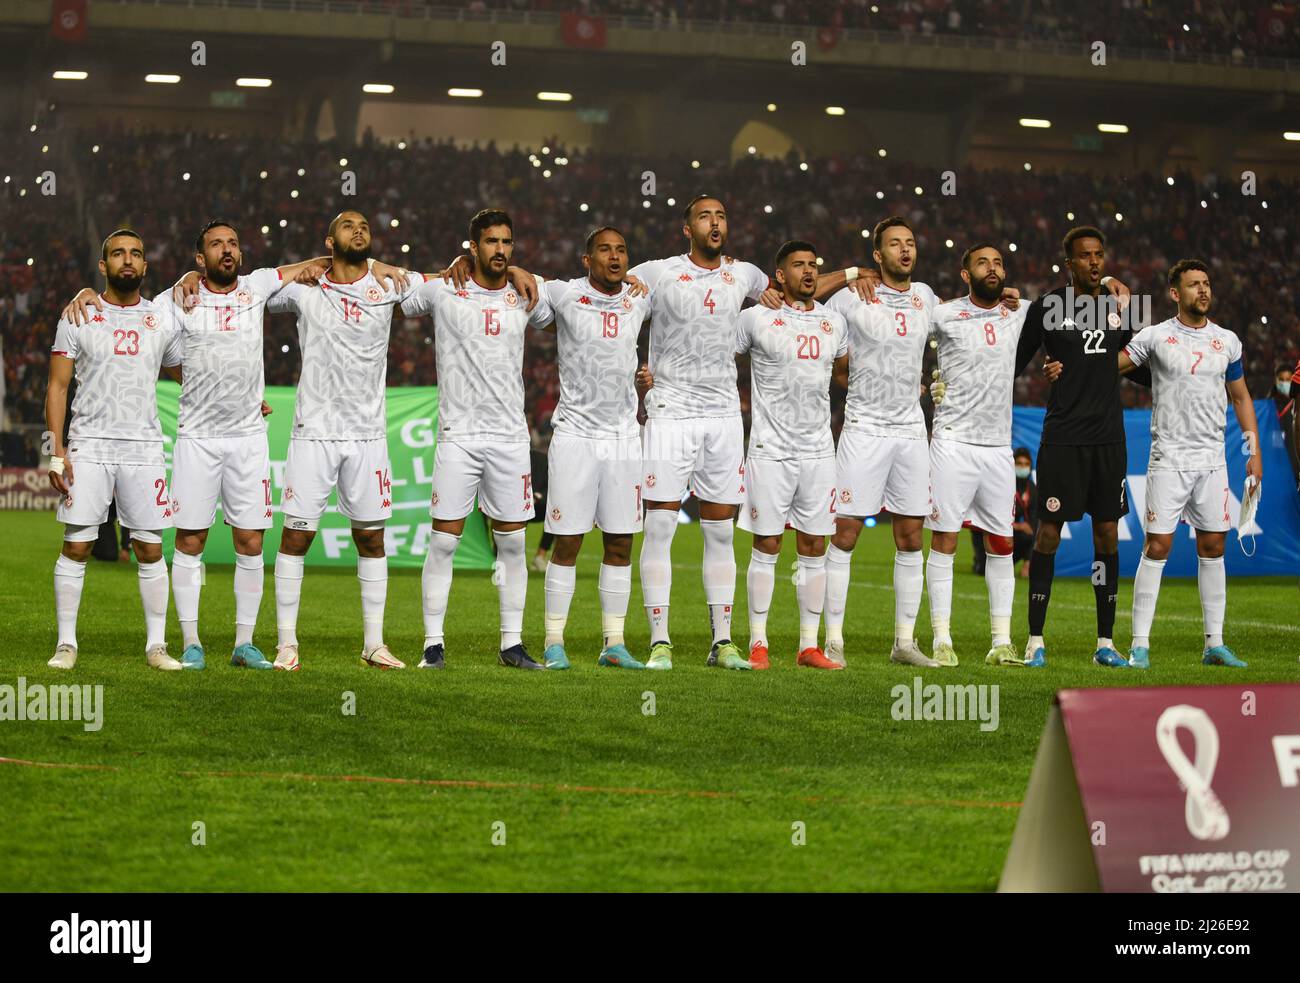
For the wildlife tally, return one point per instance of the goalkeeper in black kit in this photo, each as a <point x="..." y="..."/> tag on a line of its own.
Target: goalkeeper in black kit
<point x="1082" y="461"/>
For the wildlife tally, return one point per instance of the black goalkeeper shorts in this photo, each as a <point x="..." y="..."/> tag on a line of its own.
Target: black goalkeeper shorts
<point x="1078" y="478"/>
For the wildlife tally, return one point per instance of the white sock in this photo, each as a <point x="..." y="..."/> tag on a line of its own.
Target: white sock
<point x="657" y="569"/>
<point x="1146" y="589"/>
<point x="1036" y="642"/>
<point x="838" y="567"/>
<point x="69" y="576"/>
<point x="719" y="574"/>
<point x="288" y="592"/>
<point x="435" y="584"/>
<point x="938" y="575"/>
<point x="615" y="590"/>
<point x="513" y="588"/>
<point x="909" y="580"/>
<point x="1000" y="578"/>
<point x="1212" y="581"/>
<point x="560" y="585"/>
<point x="187" y="582"/>
<point x="372" y="571"/>
<point x="810" y="592"/>
<point x="760" y="580"/>
<point x="1102" y="643"/>
<point x="250" y="576"/>
<point x="153" y="595"/>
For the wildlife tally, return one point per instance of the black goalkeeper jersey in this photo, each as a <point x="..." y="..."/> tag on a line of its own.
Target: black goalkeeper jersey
<point x="1083" y="406"/>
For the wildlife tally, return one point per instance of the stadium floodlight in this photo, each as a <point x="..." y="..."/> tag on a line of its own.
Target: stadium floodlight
<point x="162" y="79"/>
<point x="1292" y="135"/>
<point x="555" y="96"/>
<point x="1113" y="127"/>
<point x="465" y="93"/>
<point x="1035" y="124"/>
<point x="72" y="76"/>
<point x="834" y="110"/>
<point x="378" y="88"/>
<point x="254" y="83"/>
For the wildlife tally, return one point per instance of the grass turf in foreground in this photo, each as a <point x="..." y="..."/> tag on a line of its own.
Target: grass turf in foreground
<point x="593" y="792"/>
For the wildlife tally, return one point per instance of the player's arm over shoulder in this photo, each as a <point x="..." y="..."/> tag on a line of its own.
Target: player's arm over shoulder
<point x="1137" y="351"/>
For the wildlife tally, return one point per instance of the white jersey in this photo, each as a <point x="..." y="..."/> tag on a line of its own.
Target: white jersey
<point x="693" y="332"/>
<point x="977" y="356"/>
<point x="1189" y="370"/>
<point x="791" y="352"/>
<point x="596" y="336"/>
<point x="343" y="332"/>
<point x="886" y="347"/>
<point x="223" y="376"/>
<point x="479" y="338"/>
<point x="117" y="356"/>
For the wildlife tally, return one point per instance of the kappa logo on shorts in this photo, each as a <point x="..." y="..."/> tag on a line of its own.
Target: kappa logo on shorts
<point x="167" y="513"/>
<point x="917" y="302"/>
<point x="846" y="496"/>
<point x="374" y="294"/>
<point x="511" y="298"/>
<point x="244" y="297"/>
<point x="1053" y="504"/>
<point x="268" y="514"/>
<point x="556" y="515"/>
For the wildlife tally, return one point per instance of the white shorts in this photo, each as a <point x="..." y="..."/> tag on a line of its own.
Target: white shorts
<point x="499" y="474"/>
<point x="358" y="469"/>
<point x="593" y="480"/>
<point x="705" y="455"/>
<point x="1199" y="497"/>
<point x="233" y="470"/>
<point x="143" y="501"/>
<point x="971" y="481"/>
<point x="800" y="492"/>
<point x="874" y="473"/>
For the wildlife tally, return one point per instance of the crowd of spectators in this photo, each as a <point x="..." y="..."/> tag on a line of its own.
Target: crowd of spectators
<point x="419" y="196"/>
<point x="1234" y="29"/>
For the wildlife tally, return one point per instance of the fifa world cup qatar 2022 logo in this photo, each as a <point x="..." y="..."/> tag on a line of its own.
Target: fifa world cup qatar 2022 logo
<point x="1206" y="817"/>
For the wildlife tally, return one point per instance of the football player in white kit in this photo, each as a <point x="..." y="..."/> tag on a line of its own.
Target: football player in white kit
<point x="694" y="436"/>
<point x="790" y="464"/>
<point x="883" y="458"/>
<point x="482" y="446"/>
<point x="339" y="438"/>
<point x="972" y="472"/>
<point x="594" y="462"/>
<point x="1195" y="369"/>
<point x="115" y="443"/>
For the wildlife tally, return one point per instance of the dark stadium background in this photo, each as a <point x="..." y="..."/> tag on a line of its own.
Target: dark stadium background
<point x="678" y="89"/>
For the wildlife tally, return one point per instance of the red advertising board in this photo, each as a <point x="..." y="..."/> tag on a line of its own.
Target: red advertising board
<point x="1190" y="789"/>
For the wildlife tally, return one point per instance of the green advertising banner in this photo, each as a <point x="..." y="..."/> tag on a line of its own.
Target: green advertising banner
<point x="412" y="418"/>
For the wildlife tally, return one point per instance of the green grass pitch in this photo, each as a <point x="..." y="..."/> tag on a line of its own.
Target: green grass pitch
<point x="408" y="793"/>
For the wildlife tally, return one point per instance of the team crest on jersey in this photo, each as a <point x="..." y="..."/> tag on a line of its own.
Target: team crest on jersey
<point x="1113" y="319"/>
<point x="373" y="294"/>
<point x="917" y="302"/>
<point x="1053" y="504"/>
<point x="1003" y="312"/>
<point x="511" y="298"/>
<point x="244" y="297"/>
<point x="556" y="515"/>
<point x="727" y="278"/>
<point x="150" y="321"/>
<point x="650" y="481"/>
<point x="627" y="303"/>
<point x="1217" y="345"/>
<point x="846" y="496"/>
<point x="826" y="326"/>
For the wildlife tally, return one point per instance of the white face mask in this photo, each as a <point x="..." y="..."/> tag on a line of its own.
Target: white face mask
<point x="1284" y="387"/>
<point x="1022" y="472"/>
